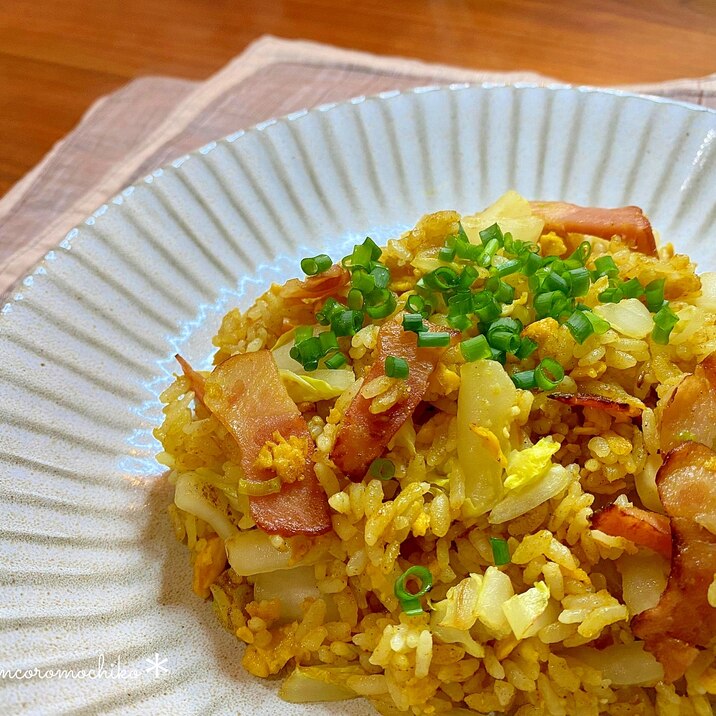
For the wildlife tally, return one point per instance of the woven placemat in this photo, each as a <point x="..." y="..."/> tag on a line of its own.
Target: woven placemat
<point x="152" y="120"/>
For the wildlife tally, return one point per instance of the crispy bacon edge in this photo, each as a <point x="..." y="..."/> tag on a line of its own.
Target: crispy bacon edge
<point x="644" y="528"/>
<point x="599" y="402"/>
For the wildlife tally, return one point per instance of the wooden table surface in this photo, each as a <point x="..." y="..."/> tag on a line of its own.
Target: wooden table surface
<point x="58" y="56"/>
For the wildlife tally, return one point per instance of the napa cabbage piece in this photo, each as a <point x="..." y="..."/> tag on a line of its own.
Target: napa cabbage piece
<point x="496" y="589"/>
<point x="526" y="466"/>
<point x="252" y="552"/>
<point x="314" y="684"/>
<point x="453" y="616"/>
<point x="523" y="611"/>
<point x="292" y="587"/>
<point x="622" y="664"/>
<point x="304" y="386"/>
<point x="486" y="407"/>
<point x="630" y="317"/>
<point x="644" y="578"/>
<point x="707" y="299"/>
<point x="524" y="499"/>
<point x="200" y="499"/>
<point x="512" y="212"/>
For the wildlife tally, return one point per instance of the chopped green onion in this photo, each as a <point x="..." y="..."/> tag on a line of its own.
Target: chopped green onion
<point x="613" y="294"/>
<point x="579" y="326"/>
<point x="410" y="601"/>
<point x="375" y="250"/>
<point x="355" y="299"/>
<point x="654" y="293"/>
<point x="396" y="367"/>
<point x="361" y="257"/>
<point x="509" y="267"/>
<point x="316" y="264"/>
<point x="417" y="304"/>
<point x="504" y="341"/>
<point x="381" y="276"/>
<point x="504" y="293"/>
<point x="460" y="323"/>
<point x="460" y="304"/>
<point x="498" y="355"/>
<point x="362" y="281"/>
<point x="468" y="276"/>
<point x="526" y="349"/>
<point x="578" y="280"/>
<point x="302" y="333"/>
<point x="632" y="288"/>
<point x="347" y="322"/>
<point x="605" y="266"/>
<point x="414" y="322"/>
<point x="533" y="261"/>
<point x="551" y="303"/>
<point x="308" y="352"/>
<point x="328" y="341"/>
<point x="466" y="250"/>
<point x="437" y="339"/>
<point x="488" y="252"/>
<point x="476" y="348"/>
<point x="512" y="325"/>
<point x="382" y="469"/>
<point x="525" y="380"/>
<point x="485" y="307"/>
<point x="548" y="374"/>
<point x="259" y="488"/>
<point x="380" y="303"/>
<point x="461" y="234"/>
<point x="330" y="308"/>
<point x="446" y="254"/>
<point x="337" y="360"/>
<point x="492" y="233"/>
<point x="581" y="253"/>
<point x="599" y="325"/>
<point x="442" y="278"/>
<point x="500" y="551"/>
<point x="664" y="321"/>
<point x="554" y="282"/>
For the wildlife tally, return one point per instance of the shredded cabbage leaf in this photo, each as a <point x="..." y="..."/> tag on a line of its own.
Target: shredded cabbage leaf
<point x="319" y="385"/>
<point x="526" y="466"/>
<point x="523" y="610"/>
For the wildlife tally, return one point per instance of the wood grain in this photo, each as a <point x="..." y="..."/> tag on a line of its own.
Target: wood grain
<point x="57" y="56"/>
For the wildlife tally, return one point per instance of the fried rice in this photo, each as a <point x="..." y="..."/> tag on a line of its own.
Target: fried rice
<point x="535" y="506"/>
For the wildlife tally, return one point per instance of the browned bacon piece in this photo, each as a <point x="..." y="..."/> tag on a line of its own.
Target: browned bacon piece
<point x="363" y="435"/>
<point x="683" y="619"/>
<point x="599" y="402"/>
<point x="690" y="413"/>
<point x="628" y="222"/>
<point x="314" y="288"/>
<point x="246" y="394"/>
<point x="644" y="528"/>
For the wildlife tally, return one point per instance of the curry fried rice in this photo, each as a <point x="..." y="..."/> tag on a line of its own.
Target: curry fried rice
<point x="469" y="472"/>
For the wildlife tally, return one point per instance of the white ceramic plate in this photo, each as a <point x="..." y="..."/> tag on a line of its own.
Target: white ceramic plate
<point x="89" y="568"/>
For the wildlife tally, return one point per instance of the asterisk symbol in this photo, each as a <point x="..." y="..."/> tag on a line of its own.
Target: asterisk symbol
<point x="157" y="666"/>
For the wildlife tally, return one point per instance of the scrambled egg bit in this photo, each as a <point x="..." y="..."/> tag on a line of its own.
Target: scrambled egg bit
<point x="287" y="458"/>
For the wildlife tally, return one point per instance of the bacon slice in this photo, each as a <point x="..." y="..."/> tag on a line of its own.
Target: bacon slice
<point x="644" y="528"/>
<point x="628" y="222"/>
<point x="683" y="619"/>
<point x="314" y="288"/>
<point x="362" y="435"/>
<point x="690" y="413"/>
<point x="196" y="379"/>
<point x="246" y="394"/>
<point x="599" y="402"/>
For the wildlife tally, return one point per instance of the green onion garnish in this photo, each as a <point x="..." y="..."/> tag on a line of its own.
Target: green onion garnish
<point x="442" y="278"/>
<point x="509" y="267"/>
<point x="437" y="339"/>
<point x="396" y="367"/>
<point x="476" y="348"/>
<point x="328" y="341"/>
<point x="664" y="321"/>
<point x="599" y="325"/>
<point x="548" y="374"/>
<point x="632" y="288"/>
<point x="446" y="254"/>
<point x="414" y="322"/>
<point x="551" y="304"/>
<point x="485" y="307"/>
<point x="554" y="282"/>
<point x="491" y="248"/>
<point x="355" y="299"/>
<point x="605" y="266"/>
<point x="381" y="276"/>
<point x="316" y="264"/>
<point x="533" y="261"/>
<point x="526" y="349"/>
<point x="504" y="341"/>
<point x="498" y="355"/>
<point x="347" y="322"/>
<point x="362" y="281"/>
<point x="380" y="303"/>
<point x="500" y="551"/>
<point x="578" y="280"/>
<point x="382" y="469"/>
<point x="492" y="233"/>
<point x="337" y="360"/>
<point x="613" y="294"/>
<point x="654" y="293"/>
<point x="579" y="326"/>
<point x="581" y="253"/>
<point x="459" y="323"/>
<point x="525" y="380"/>
<point x="417" y="304"/>
<point x="410" y="601"/>
<point x="302" y="333"/>
<point x="467" y="277"/>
